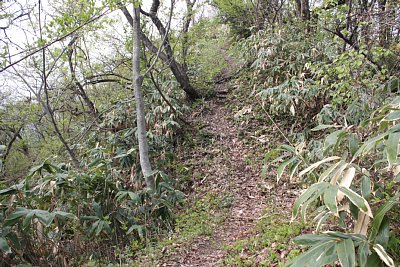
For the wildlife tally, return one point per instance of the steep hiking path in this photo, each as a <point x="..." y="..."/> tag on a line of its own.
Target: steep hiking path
<point x="226" y="170"/>
<point x="232" y="216"/>
<point x="231" y="174"/>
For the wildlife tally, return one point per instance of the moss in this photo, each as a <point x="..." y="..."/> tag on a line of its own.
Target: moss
<point x="270" y="244"/>
<point x="200" y="218"/>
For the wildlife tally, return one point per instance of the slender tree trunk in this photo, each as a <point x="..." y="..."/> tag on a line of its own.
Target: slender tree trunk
<point x="79" y="87"/>
<point x="46" y="106"/>
<point x="303" y="9"/>
<point x="140" y="114"/>
<point x="178" y="71"/>
<point x="10" y="144"/>
<point x="185" y="30"/>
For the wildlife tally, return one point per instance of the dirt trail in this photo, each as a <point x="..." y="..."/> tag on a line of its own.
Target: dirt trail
<point x="232" y="173"/>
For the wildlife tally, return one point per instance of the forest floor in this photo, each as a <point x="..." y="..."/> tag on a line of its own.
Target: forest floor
<point x="233" y="216"/>
<point x="229" y="173"/>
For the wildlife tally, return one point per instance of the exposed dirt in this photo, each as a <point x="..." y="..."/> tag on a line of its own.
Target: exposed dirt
<point x="229" y="174"/>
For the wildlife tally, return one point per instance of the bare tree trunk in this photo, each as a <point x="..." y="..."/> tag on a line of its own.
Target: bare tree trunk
<point x="140" y="114"/>
<point x="46" y="106"/>
<point x="79" y="87"/>
<point x="10" y="144"/>
<point x="185" y="30"/>
<point x="178" y="71"/>
<point x="303" y="9"/>
<point x="383" y="28"/>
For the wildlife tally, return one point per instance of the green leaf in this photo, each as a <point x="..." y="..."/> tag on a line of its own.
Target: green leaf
<point x="314" y="190"/>
<point x="97" y="209"/>
<point x="8" y="191"/>
<point x="308" y="259"/>
<point x="293" y="168"/>
<point x="357" y="200"/>
<point x="363" y="252"/>
<point x="288" y="148"/>
<point x="4" y="247"/>
<point x="134" y="197"/>
<point x="354" y="237"/>
<point x="63" y="214"/>
<point x="121" y="195"/>
<point x="45" y="217"/>
<point x="317" y="164"/>
<point x="382" y="237"/>
<point x="28" y="218"/>
<point x="333" y="138"/>
<point x="323" y="127"/>
<point x="392" y="145"/>
<point x="312" y="239"/>
<point x="330" y="198"/>
<point x="282" y="168"/>
<point x="346" y="253"/>
<point x="383" y="255"/>
<point x="14" y="217"/>
<point x="379" y="215"/>
<point x="138" y="228"/>
<point x="373" y="260"/>
<point x="369" y="144"/>
<point x="328" y="171"/>
<point x="354" y="143"/>
<point x="365" y="187"/>
<point x="392" y="116"/>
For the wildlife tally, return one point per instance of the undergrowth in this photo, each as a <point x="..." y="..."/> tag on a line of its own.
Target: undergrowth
<point x="199" y="218"/>
<point x="269" y="244"/>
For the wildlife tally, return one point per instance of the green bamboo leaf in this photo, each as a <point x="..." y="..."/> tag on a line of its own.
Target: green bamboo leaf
<point x="45" y="217"/>
<point x="354" y="143"/>
<point x="328" y="171"/>
<point x="369" y="144"/>
<point x="363" y="252"/>
<point x="63" y="214"/>
<point x="346" y="253"/>
<point x="380" y="213"/>
<point x="383" y="255"/>
<point x="288" y="148"/>
<point x="354" y="237"/>
<point x="308" y="259"/>
<point x="14" y="217"/>
<point x="357" y="200"/>
<point x="330" y="198"/>
<point x="28" y="218"/>
<point x="392" y="116"/>
<point x="134" y="197"/>
<point x="365" y="187"/>
<point x="323" y="127"/>
<point x="312" y="239"/>
<point x="315" y="189"/>
<point x="382" y="237"/>
<point x="333" y="138"/>
<point x="4" y="247"/>
<point x="293" y="168"/>
<point x="392" y="145"/>
<point x="8" y="191"/>
<point x="316" y="164"/>
<point x="282" y="168"/>
<point x="373" y="260"/>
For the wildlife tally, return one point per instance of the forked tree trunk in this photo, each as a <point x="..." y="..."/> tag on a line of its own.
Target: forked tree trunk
<point x="178" y="71"/>
<point x="140" y="114"/>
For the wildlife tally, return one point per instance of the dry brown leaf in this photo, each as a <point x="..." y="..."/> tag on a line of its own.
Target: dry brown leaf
<point x="362" y="223"/>
<point x="346" y="181"/>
